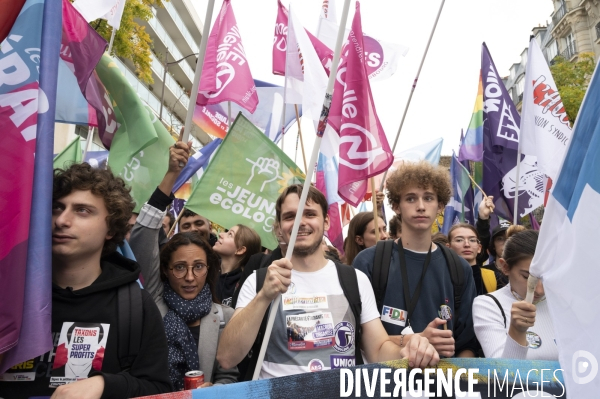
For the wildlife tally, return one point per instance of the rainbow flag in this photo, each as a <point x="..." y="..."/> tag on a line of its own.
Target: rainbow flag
<point x="472" y="147"/>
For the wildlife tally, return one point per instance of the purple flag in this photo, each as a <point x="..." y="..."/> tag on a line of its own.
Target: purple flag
<point x="28" y="134"/>
<point x="501" y="123"/>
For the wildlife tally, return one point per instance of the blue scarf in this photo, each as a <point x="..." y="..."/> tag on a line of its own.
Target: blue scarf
<point x="183" y="350"/>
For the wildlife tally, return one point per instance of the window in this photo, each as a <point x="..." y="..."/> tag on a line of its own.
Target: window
<point x="552" y="50"/>
<point x="520" y="86"/>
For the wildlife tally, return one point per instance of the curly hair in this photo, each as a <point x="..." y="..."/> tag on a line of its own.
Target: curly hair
<point x="421" y="174"/>
<point x="102" y="183"/>
<point x="192" y="238"/>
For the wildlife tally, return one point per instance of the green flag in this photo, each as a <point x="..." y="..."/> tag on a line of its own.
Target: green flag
<point x="70" y="155"/>
<point x="243" y="181"/>
<point x="139" y="152"/>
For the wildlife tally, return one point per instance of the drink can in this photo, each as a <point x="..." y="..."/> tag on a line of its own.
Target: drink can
<point x="193" y="379"/>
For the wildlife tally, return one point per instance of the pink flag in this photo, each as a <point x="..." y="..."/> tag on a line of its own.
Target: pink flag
<point x="324" y="53"/>
<point x="226" y="74"/>
<point x="364" y="150"/>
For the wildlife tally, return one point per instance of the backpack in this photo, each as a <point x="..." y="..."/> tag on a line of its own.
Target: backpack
<point x="381" y="270"/>
<point x="349" y="284"/>
<point x="129" y="309"/>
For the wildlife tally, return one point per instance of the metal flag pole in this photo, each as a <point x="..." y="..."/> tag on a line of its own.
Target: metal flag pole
<point x="198" y="73"/>
<point x="88" y="143"/>
<point x="311" y="167"/>
<point x="413" y="87"/>
<point x="112" y="39"/>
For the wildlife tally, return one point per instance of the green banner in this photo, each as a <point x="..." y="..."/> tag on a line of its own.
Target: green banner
<point x="139" y="152"/>
<point x="243" y="181"/>
<point x="70" y="155"/>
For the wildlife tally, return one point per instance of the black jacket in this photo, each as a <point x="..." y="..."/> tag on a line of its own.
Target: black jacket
<point x="226" y="285"/>
<point x="97" y="303"/>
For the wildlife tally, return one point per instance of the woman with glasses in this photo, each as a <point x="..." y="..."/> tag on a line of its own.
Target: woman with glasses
<point x="464" y="240"/>
<point x="189" y="269"/>
<point x="507" y="326"/>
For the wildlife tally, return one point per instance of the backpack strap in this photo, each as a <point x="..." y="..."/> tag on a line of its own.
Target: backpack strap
<point x="457" y="275"/>
<point x="499" y="306"/>
<point x="261" y="275"/>
<point x="349" y="283"/>
<point x="130" y="309"/>
<point x="221" y="316"/>
<point x="381" y="270"/>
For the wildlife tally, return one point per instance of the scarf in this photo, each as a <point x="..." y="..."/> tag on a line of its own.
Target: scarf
<point x="183" y="350"/>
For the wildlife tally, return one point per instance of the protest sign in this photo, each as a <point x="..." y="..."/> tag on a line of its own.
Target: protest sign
<point x="243" y="181"/>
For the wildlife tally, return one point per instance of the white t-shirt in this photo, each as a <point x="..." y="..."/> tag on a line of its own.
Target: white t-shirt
<point x="493" y="335"/>
<point x="314" y="328"/>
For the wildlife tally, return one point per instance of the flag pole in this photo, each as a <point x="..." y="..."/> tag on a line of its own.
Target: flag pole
<point x="228" y="114"/>
<point x="307" y="182"/>
<point x="300" y="136"/>
<point x="516" y="207"/>
<point x="88" y="143"/>
<point x="375" y="217"/>
<point x="112" y="39"/>
<point x="413" y="87"/>
<point x="202" y="52"/>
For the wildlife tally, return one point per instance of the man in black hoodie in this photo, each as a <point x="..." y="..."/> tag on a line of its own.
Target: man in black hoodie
<point x="90" y="212"/>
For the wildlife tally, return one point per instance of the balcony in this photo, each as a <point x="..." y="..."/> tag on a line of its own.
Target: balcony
<point x="559" y="14"/>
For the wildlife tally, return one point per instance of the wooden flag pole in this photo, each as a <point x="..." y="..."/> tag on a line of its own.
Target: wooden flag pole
<point x="198" y="73"/>
<point x="375" y="217"/>
<point x="300" y="135"/>
<point x="175" y="224"/>
<point x="307" y="181"/>
<point x="475" y="183"/>
<point x="413" y="87"/>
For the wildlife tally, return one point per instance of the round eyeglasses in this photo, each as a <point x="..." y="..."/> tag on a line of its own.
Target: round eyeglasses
<point x="180" y="271"/>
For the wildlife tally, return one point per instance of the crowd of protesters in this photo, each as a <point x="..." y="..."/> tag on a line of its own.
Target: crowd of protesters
<point x="198" y="300"/>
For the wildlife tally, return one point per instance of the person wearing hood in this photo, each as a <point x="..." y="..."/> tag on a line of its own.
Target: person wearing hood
<point x="90" y="212"/>
<point x="235" y="247"/>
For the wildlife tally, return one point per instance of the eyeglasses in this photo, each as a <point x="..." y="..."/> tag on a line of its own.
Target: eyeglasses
<point x="180" y="271"/>
<point x="461" y="240"/>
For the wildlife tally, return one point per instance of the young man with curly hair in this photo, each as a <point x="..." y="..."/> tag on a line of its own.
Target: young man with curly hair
<point x="92" y="284"/>
<point x="419" y="287"/>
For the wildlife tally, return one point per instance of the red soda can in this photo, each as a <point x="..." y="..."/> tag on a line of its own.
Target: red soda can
<point x="193" y="379"/>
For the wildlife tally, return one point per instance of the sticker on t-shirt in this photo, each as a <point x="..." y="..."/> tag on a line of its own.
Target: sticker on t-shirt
<point x="304" y="301"/>
<point x="393" y="316"/>
<point x="309" y="331"/>
<point x="21" y="372"/>
<point x="80" y="350"/>
<point x="534" y="341"/>
<point x="315" y="365"/>
<point x="344" y="336"/>
<point x="341" y="361"/>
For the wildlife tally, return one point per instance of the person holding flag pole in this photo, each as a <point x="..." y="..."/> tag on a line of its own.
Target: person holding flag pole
<point x="320" y="334"/>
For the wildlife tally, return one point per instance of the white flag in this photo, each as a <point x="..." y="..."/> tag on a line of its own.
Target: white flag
<point x="111" y="10"/>
<point x="382" y="57"/>
<point x="306" y="80"/>
<point x="545" y="128"/>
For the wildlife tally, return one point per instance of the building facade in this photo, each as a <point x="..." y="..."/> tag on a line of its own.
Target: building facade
<point x="176" y="32"/>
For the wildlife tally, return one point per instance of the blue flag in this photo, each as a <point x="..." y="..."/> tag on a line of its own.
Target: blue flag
<point x="195" y="162"/>
<point x="27" y="119"/>
<point x="460" y="207"/>
<point x="566" y="257"/>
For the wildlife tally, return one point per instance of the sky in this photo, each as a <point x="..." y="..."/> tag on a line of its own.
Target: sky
<point x="445" y="94"/>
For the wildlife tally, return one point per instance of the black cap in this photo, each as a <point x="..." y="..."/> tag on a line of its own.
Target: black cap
<point x="502" y="227"/>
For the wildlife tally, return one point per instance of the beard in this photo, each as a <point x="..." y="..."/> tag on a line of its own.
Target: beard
<point x="307" y="249"/>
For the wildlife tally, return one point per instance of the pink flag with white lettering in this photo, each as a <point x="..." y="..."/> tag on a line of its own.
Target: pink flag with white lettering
<point x="324" y="53"/>
<point x="364" y="150"/>
<point x="226" y="74"/>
